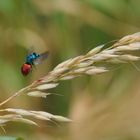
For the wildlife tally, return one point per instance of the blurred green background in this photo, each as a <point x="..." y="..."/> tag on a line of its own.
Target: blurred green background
<point x="67" y="28"/>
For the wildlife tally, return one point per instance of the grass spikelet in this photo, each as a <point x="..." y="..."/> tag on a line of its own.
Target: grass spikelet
<point x="38" y="94"/>
<point x="96" y="71"/>
<point x="15" y="117"/>
<point x="47" y="86"/>
<point x="27" y="121"/>
<point x="95" y="50"/>
<point x="128" y="57"/>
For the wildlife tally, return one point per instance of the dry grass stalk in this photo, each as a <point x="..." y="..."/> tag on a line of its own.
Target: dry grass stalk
<point x="20" y="114"/>
<point x="120" y="52"/>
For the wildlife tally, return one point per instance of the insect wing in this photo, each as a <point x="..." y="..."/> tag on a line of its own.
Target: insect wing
<point x="41" y="58"/>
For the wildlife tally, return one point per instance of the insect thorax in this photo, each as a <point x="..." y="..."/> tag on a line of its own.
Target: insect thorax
<point x="31" y="57"/>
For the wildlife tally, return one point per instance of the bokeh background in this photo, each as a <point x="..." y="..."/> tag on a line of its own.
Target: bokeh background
<point x="103" y="107"/>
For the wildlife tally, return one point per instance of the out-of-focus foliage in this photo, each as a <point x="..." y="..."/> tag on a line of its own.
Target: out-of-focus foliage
<point x="67" y="28"/>
<point x="10" y="138"/>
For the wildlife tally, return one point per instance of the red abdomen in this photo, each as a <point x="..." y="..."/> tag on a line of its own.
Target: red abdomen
<point x="26" y="68"/>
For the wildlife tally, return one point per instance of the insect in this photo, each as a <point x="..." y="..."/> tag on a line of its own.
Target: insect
<point x="32" y="59"/>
